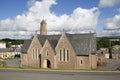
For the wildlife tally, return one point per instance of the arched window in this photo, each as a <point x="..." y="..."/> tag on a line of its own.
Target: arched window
<point x="47" y="53"/>
<point x="33" y="53"/>
<point x="60" y="55"/>
<point x="38" y="52"/>
<point x="81" y="62"/>
<point x="64" y="56"/>
<point x="68" y="57"/>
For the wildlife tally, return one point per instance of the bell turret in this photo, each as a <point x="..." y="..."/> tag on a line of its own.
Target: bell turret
<point x="43" y="28"/>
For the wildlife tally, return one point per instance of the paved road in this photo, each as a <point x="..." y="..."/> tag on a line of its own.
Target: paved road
<point x="15" y="74"/>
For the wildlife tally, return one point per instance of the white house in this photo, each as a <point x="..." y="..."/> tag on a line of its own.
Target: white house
<point x="2" y="45"/>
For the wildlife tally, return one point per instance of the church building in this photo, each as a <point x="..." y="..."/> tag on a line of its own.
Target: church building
<point x="64" y="51"/>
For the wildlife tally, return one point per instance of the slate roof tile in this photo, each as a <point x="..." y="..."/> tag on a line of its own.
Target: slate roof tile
<point x="26" y="46"/>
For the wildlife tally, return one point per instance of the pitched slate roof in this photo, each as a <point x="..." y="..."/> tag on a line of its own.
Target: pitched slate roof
<point x="79" y="36"/>
<point x="51" y="39"/>
<point x="53" y="43"/>
<point x="26" y="46"/>
<point x="80" y="43"/>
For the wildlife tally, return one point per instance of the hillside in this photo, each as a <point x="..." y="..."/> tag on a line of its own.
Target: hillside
<point x="12" y="42"/>
<point x="104" y="42"/>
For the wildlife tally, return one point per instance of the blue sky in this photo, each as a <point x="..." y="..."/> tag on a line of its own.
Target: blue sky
<point x="21" y="18"/>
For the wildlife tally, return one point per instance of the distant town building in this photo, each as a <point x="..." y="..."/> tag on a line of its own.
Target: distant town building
<point x="2" y="45"/>
<point x="114" y="39"/>
<point x="102" y="55"/>
<point x="15" y="51"/>
<point x="69" y="51"/>
<point x="105" y="51"/>
<point x="116" y="52"/>
<point x="12" y="52"/>
<point x="5" y="53"/>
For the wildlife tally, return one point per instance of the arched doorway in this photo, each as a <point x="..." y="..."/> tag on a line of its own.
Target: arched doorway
<point x="48" y="64"/>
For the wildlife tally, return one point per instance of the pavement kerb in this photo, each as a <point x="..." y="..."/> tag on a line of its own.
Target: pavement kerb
<point x="57" y="70"/>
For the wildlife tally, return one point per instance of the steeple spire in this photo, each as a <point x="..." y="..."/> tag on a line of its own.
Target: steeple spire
<point x="43" y="27"/>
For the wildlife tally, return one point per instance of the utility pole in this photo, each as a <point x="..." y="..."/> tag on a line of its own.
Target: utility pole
<point x="110" y="49"/>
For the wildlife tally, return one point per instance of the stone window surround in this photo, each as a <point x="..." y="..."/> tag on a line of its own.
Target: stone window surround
<point x="35" y="53"/>
<point x="64" y="55"/>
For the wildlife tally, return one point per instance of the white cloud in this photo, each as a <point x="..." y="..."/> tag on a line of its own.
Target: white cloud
<point x="80" y="19"/>
<point x="29" y="21"/>
<point x="111" y="26"/>
<point x="108" y="3"/>
<point x="112" y="23"/>
<point x="16" y="34"/>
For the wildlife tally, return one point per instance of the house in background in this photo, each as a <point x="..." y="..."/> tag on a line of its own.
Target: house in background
<point x="12" y="52"/>
<point x="105" y="52"/>
<point x="101" y="60"/>
<point x="5" y="53"/>
<point x="68" y="51"/>
<point x="116" y="52"/>
<point x="102" y="56"/>
<point x="15" y="50"/>
<point x="2" y="45"/>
